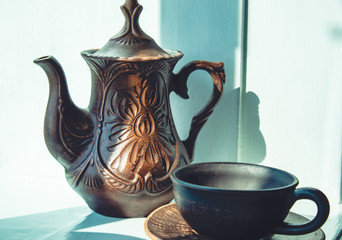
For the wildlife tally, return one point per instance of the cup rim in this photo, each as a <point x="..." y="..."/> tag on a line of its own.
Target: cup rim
<point x="175" y="179"/>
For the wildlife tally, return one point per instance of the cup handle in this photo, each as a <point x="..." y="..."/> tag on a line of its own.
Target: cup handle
<point x="323" y="209"/>
<point x="179" y="86"/>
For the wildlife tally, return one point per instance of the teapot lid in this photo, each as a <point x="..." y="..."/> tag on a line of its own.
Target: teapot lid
<point x="132" y="42"/>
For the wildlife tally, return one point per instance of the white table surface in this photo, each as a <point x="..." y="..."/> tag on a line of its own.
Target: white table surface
<point x="33" y="208"/>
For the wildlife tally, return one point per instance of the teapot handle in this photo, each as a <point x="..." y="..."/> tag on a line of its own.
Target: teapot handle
<point x="179" y="86"/>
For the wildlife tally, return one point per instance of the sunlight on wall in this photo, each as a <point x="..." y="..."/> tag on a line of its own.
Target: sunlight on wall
<point x="294" y="69"/>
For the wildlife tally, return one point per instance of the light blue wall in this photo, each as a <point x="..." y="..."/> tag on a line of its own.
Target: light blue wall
<point x="295" y="69"/>
<point x="291" y="115"/>
<point x="206" y="30"/>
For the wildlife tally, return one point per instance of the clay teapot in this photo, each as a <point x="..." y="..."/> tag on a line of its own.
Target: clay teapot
<point x="118" y="153"/>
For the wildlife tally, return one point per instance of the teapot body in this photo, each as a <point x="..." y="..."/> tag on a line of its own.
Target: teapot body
<point x="135" y="145"/>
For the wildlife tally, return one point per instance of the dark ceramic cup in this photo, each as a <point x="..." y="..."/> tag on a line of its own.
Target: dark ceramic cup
<point x="242" y="201"/>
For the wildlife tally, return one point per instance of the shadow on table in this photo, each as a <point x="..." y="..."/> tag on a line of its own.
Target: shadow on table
<point x="99" y="236"/>
<point x="62" y="224"/>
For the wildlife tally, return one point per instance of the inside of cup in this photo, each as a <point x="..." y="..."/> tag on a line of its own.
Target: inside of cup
<point x="235" y="176"/>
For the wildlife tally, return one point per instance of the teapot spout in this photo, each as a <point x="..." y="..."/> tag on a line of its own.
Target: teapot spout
<point x="68" y="130"/>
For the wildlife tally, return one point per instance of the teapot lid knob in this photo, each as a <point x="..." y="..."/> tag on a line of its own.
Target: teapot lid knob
<point x="131" y="41"/>
<point x="131" y="30"/>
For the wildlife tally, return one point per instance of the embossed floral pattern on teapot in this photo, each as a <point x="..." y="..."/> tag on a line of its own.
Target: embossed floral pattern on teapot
<point x="118" y="153"/>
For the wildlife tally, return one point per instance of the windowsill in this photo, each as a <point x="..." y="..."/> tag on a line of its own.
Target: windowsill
<point x="35" y="208"/>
